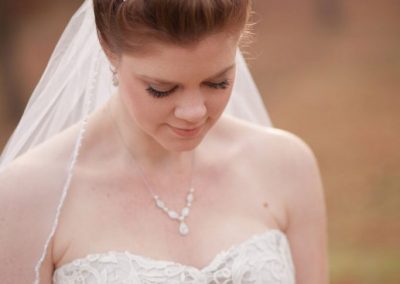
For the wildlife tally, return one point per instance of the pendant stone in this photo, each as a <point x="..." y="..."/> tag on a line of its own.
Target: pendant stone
<point x="183" y="229"/>
<point x="174" y="215"/>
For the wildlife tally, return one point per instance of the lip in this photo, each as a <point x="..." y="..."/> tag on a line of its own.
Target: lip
<point x="187" y="132"/>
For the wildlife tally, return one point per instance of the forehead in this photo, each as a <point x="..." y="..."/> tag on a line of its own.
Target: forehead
<point x="171" y="62"/>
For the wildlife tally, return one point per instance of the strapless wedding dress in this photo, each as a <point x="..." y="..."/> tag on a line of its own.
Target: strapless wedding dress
<point x="264" y="258"/>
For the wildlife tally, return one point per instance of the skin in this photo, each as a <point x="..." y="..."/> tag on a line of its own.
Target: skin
<point x="248" y="179"/>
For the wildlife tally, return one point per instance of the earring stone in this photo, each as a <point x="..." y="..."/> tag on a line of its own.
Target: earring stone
<point x="115" y="80"/>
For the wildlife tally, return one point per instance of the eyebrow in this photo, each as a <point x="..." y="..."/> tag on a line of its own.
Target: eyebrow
<point x="165" y="82"/>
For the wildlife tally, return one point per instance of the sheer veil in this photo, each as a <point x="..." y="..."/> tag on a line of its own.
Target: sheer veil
<point x="76" y="81"/>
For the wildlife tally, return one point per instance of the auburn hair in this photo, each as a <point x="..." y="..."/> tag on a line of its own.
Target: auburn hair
<point x="127" y="25"/>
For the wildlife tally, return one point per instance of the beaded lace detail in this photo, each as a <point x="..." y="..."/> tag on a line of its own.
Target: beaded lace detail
<point x="264" y="258"/>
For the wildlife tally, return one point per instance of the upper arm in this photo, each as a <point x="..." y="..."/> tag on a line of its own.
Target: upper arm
<point x="306" y="211"/>
<point x="31" y="188"/>
<point x="13" y="229"/>
<point x="26" y="217"/>
<point x="47" y="267"/>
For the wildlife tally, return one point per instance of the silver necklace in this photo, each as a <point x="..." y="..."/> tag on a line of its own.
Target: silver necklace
<point x="172" y="214"/>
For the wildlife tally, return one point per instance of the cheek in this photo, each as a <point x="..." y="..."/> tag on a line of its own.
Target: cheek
<point x="218" y="102"/>
<point x="131" y="99"/>
<point x="135" y="99"/>
<point x="143" y="108"/>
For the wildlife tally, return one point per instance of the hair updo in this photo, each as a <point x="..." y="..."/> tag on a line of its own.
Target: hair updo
<point x="127" y="25"/>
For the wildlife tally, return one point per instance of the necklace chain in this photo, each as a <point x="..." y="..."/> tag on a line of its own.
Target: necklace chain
<point x="172" y="214"/>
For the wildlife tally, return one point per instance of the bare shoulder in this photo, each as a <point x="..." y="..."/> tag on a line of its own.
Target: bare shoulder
<point x="35" y="176"/>
<point x="279" y="145"/>
<point x="35" y="167"/>
<point x="283" y="152"/>
<point x="30" y="188"/>
<point x="287" y="159"/>
<point x="279" y="155"/>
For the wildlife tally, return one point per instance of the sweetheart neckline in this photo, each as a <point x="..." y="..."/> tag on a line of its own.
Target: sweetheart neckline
<point x="205" y="267"/>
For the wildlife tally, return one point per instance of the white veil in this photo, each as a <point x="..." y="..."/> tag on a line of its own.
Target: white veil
<point x="76" y="81"/>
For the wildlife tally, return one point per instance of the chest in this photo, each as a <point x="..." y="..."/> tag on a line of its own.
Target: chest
<point x="228" y="207"/>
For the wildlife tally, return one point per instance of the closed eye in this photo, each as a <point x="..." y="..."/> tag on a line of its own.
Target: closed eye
<point x="221" y="85"/>
<point x="159" y="94"/>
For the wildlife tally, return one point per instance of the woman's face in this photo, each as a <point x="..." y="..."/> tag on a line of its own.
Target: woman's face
<point x="174" y="94"/>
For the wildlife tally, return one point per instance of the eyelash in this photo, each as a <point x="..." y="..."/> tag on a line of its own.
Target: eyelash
<point x="159" y="94"/>
<point x="221" y="85"/>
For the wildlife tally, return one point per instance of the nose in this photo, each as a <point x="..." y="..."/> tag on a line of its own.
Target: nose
<point x="191" y="108"/>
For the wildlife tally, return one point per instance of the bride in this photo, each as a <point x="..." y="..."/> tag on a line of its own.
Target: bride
<point x="156" y="180"/>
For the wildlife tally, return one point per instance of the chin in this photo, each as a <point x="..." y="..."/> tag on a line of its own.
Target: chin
<point x="181" y="142"/>
<point x="184" y="144"/>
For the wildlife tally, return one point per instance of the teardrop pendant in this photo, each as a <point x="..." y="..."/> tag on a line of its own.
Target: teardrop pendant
<point x="174" y="215"/>
<point x="183" y="229"/>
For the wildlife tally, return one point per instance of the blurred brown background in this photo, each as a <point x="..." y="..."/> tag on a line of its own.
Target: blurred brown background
<point x="329" y="71"/>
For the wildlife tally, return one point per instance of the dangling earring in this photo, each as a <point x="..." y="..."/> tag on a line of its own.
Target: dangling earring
<point x="114" y="76"/>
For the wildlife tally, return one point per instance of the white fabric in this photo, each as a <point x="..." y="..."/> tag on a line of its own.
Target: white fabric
<point x="76" y="82"/>
<point x="264" y="258"/>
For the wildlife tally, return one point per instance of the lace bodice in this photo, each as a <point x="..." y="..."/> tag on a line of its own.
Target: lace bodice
<point x="264" y="258"/>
